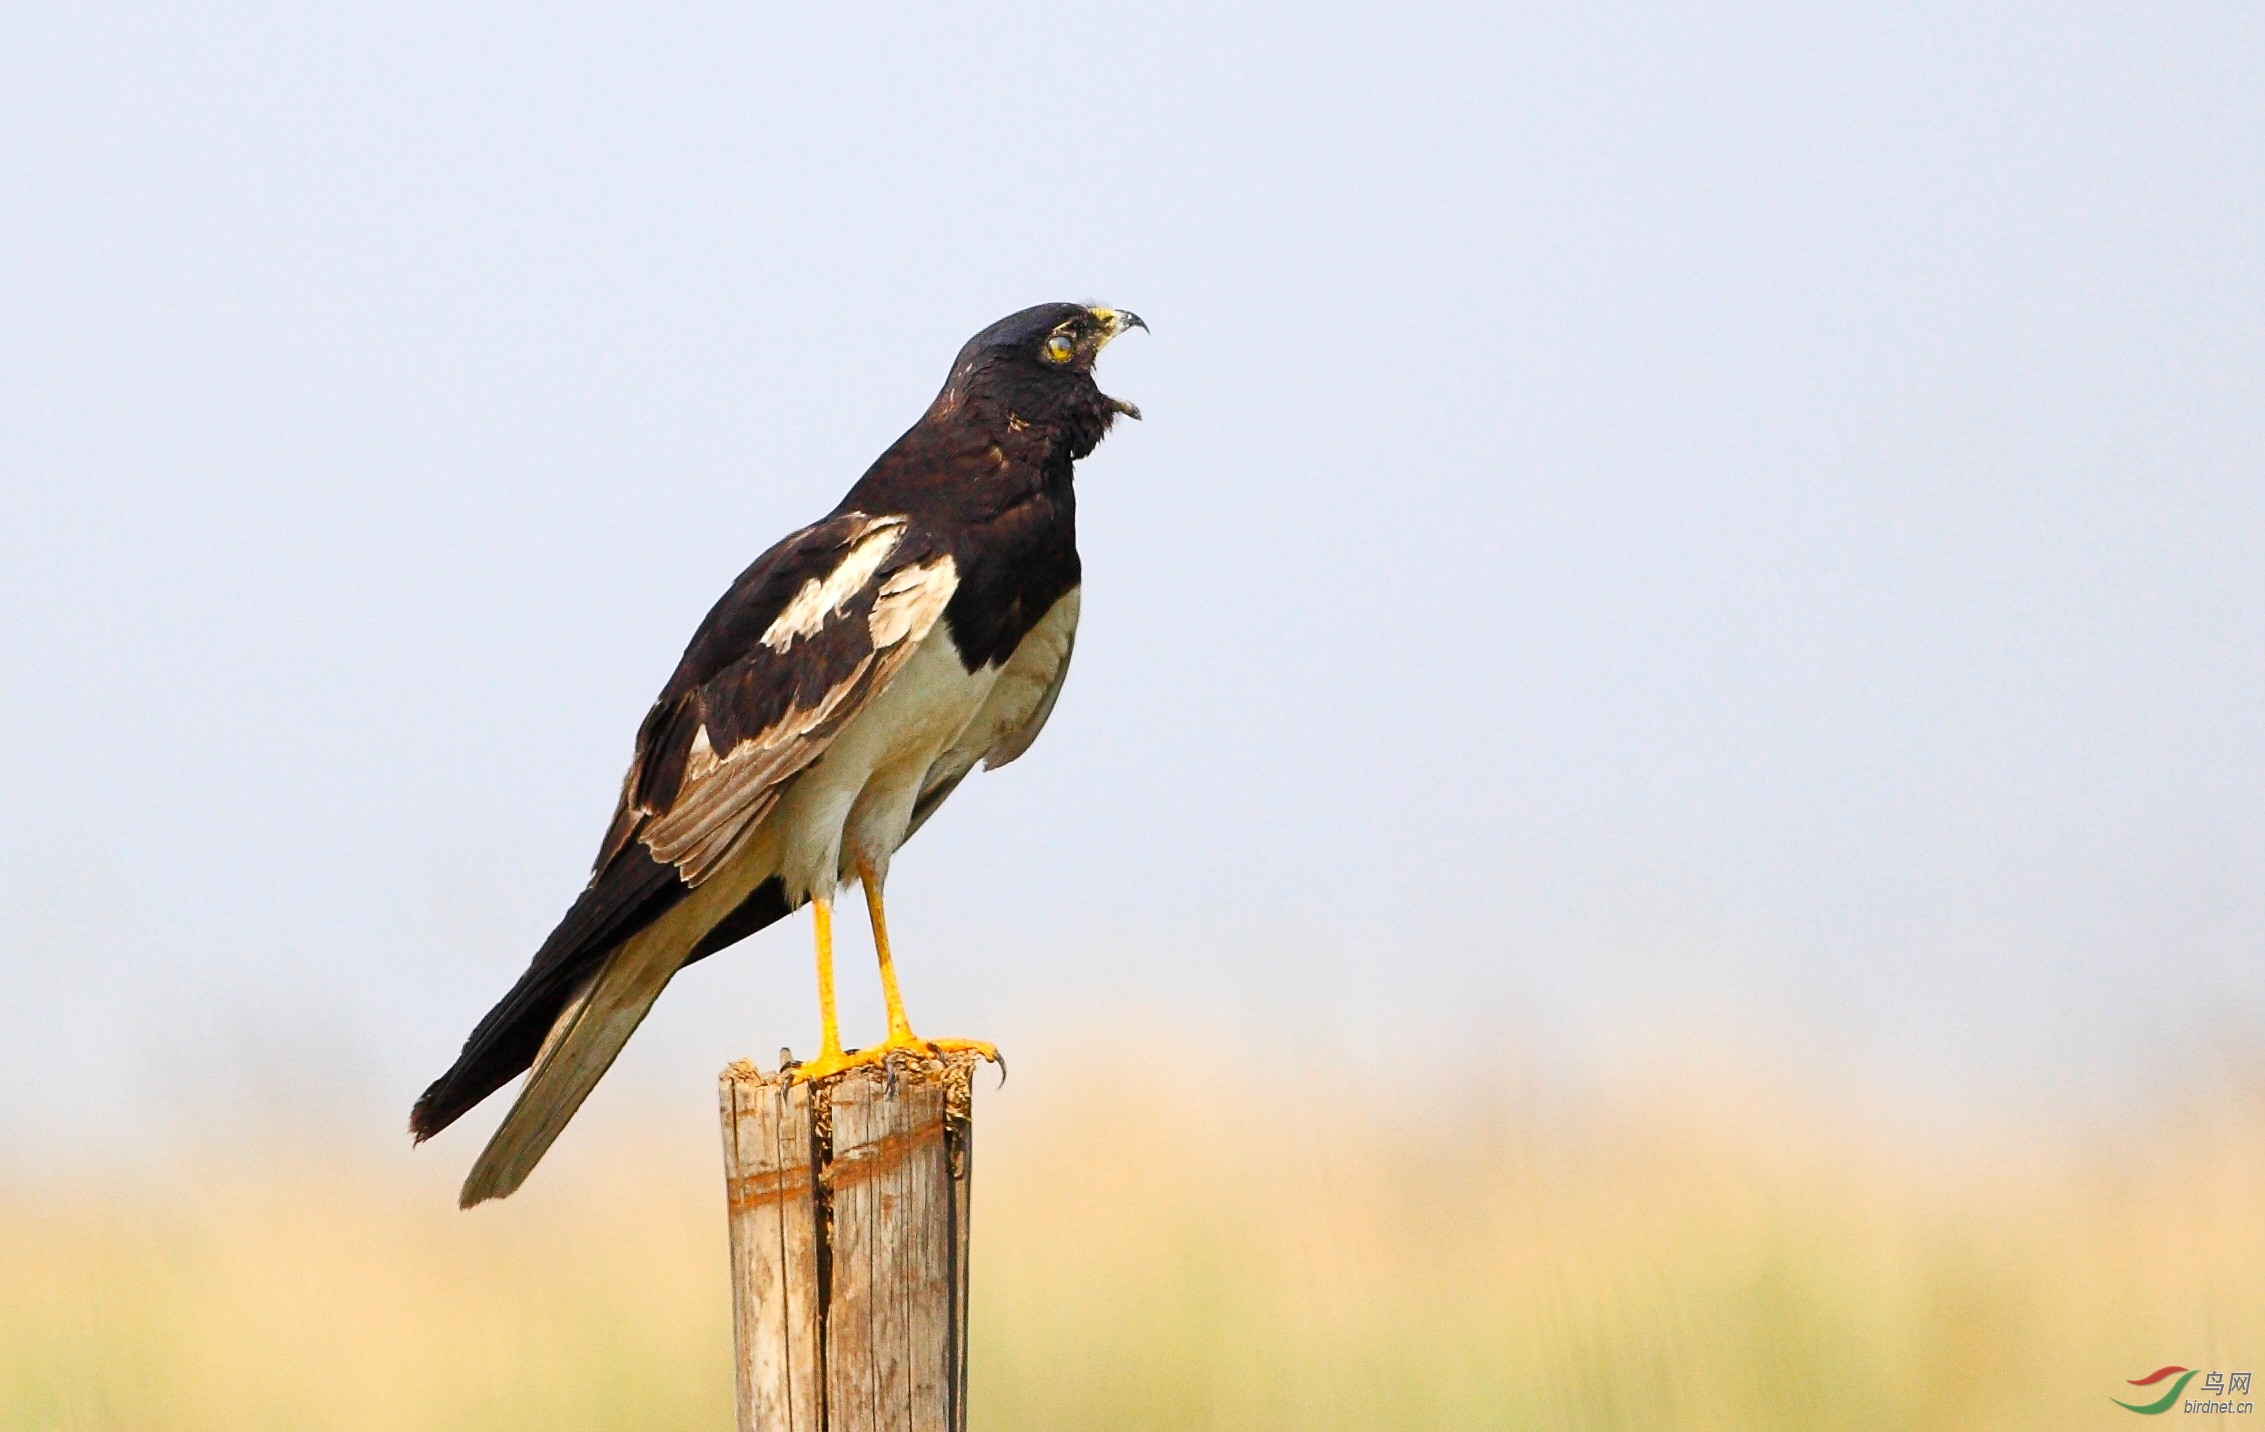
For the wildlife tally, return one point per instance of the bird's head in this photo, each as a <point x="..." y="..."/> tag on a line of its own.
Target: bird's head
<point x="1036" y="366"/>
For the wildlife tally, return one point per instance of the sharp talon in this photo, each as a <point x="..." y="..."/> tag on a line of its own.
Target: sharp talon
<point x="917" y="1052"/>
<point x="1001" y="1061"/>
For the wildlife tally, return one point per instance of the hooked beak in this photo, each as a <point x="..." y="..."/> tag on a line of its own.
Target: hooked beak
<point x="1116" y="321"/>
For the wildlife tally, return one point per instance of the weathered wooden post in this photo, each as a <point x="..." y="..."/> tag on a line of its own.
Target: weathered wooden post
<point x="849" y="1218"/>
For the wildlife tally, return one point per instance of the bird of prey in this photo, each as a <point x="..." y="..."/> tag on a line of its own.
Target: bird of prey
<point x="845" y="685"/>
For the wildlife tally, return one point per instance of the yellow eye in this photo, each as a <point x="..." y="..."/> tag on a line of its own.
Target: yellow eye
<point x="1059" y="348"/>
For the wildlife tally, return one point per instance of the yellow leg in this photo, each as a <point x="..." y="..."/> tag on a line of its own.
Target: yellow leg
<point x="830" y="1034"/>
<point x="900" y="1028"/>
<point x="901" y="1039"/>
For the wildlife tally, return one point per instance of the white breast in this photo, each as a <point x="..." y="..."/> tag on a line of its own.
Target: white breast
<point x="1021" y="700"/>
<point x="856" y="800"/>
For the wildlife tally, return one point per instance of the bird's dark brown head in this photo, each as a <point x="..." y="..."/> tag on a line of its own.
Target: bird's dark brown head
<point x="1036" y="368"/>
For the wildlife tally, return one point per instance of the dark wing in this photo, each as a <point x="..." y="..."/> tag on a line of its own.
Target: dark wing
<point x="806" y="637"/>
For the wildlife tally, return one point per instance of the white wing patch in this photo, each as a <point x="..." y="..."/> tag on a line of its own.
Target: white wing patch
<point x="910" y="599"/>
<point x="824" y="597"/>
<point x="721" y="799"/>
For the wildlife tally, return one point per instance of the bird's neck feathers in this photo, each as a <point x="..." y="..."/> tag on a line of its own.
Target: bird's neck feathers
<point x="985" y="447"/>
<point x="1047" y="419"/>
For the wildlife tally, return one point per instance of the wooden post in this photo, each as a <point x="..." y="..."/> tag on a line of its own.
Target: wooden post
<point x="849" y="1217"/>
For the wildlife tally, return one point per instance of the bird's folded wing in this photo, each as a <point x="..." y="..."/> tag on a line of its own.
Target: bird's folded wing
<point x="714" y="757"/>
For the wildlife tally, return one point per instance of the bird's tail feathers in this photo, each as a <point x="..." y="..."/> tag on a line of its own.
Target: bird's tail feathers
<point x="580" y="1047"/>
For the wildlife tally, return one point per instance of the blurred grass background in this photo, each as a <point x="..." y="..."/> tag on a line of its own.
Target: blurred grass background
<point x="1250" y="1249"/>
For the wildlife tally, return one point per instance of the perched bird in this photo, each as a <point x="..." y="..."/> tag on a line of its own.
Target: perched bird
<point x="844" y="686"/>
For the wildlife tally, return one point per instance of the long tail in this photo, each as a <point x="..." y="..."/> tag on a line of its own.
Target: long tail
<point x="596" y="1023"/>
<point x="572" y="1035"/>
<point x="627" y="896"/>
<point x="581" y="1048"/>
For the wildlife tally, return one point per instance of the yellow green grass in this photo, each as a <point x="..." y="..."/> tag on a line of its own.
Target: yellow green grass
<point x="1312" y="1251"/>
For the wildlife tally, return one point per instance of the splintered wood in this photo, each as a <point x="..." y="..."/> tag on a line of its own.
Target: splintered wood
<point x="849" y="1218"/>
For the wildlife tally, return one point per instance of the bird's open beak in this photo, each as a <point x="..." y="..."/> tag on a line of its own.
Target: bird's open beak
<point x="1115" y="322"/>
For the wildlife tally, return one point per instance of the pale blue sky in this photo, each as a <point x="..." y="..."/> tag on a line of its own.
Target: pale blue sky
<point x="1652" y="525"/>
